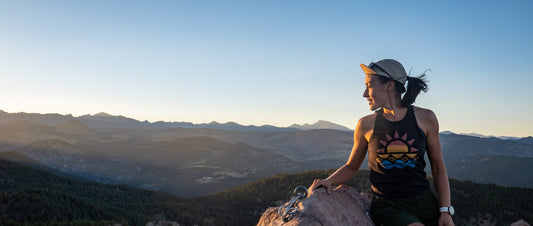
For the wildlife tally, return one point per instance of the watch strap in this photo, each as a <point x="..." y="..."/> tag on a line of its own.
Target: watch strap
<point x="447" y="209"/>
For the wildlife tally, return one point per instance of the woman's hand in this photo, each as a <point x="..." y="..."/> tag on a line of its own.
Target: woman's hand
<point x="445" y="220"/>
<point x="317" y="183"/>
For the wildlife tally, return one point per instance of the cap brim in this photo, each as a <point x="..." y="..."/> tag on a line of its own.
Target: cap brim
<point x="367" y="70"/>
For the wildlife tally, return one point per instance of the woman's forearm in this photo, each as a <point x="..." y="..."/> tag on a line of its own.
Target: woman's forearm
<point x="442" y="185"/>
<point x="342" y="175"/>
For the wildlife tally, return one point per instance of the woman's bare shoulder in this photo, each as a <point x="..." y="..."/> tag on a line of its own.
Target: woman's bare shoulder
<point x="424" y="113"/>
<point x="367" y="122"/>
<point x="427" y="120"/>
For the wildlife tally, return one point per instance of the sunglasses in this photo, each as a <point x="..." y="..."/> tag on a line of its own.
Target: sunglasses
<point x="380" y="68"/>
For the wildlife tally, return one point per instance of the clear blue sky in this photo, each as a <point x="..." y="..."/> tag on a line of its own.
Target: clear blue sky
<point x="266" y="62"/>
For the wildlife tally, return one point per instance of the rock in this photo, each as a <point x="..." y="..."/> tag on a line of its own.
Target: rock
<point x="344" y="206"/>
<point x="162" y="223"/>
<point x="520" y="223"/>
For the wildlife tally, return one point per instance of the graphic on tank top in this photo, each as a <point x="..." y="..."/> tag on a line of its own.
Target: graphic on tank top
<point x="397" y="152"/>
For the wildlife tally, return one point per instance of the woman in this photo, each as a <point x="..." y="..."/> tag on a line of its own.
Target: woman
<point x="396" y="138"/>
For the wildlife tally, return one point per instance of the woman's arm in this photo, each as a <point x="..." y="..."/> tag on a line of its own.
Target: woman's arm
<point x="438" y="169"/>
<point x="349" y="170"/>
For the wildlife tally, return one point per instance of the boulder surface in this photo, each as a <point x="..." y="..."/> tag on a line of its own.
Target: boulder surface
<point x="344" y="206"/>
<point x="521" y="222"/>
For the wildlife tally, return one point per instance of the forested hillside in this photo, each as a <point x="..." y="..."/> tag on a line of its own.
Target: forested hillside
<point x="37" y="197"/>
<point x="34" y="197"/>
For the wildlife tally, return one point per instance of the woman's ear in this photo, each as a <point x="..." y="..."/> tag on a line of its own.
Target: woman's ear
<point x="391" y="86"/>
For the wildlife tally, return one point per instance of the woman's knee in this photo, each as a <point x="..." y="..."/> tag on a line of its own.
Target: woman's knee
<point x="416" y="224"/>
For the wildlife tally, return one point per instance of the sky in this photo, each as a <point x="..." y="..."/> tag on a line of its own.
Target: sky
<point x="272" y="62"/>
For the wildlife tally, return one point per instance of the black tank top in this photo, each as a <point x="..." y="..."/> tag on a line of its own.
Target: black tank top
<point x="396" y="157"/>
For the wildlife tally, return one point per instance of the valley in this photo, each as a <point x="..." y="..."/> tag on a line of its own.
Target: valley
<point x="195" y="161"/>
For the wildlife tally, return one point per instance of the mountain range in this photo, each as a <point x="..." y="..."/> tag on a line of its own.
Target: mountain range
<point x="203" y="158"/>
<point x="103" y="120"/>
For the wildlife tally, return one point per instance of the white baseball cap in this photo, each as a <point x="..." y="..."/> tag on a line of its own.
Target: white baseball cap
<point x="388" y="68"/>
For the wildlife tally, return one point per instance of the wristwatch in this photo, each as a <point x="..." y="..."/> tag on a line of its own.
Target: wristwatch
<point x="447" y="209"/>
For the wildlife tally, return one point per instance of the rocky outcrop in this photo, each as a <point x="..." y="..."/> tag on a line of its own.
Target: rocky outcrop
<point x="520" y="223"/>
<point x="344" y="206"/>
<point x="162" y="223"/>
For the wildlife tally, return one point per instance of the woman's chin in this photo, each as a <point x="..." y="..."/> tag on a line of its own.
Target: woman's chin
<point x="373" y="107"/>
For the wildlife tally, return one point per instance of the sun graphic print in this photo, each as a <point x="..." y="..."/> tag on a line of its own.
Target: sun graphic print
<point x="397" y="152"/>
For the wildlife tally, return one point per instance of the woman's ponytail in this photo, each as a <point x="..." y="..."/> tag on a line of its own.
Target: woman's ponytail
<point x="414" y="86"/>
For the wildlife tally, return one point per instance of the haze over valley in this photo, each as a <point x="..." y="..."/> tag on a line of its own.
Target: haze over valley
<point x="187" y="159"/>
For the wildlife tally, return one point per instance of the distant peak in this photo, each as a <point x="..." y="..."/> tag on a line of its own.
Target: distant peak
<point x="324" y="122"/>
<point x="102" y="114"/>
<point x="320" y="124"/>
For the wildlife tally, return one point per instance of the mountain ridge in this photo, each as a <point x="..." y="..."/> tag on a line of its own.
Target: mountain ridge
<point x="320" y="124"/>
<point x="527" y="139"/>
<point x="104" y="120"/>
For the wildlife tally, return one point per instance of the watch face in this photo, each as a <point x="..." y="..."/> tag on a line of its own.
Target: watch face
<point x="451" y="210"/>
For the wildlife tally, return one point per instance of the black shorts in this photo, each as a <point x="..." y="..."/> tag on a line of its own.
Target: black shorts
<point x="423" y="208"/>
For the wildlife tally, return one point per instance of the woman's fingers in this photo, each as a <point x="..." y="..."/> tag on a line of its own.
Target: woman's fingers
<point x="321" y="183"/>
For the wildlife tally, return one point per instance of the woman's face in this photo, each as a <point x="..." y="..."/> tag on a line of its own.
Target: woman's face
<point x="375" y="92"/>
